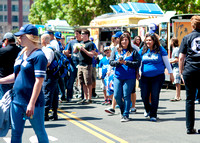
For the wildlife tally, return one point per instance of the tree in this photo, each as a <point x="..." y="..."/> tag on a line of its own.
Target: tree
<point x="180" y="6"/>
<point x="76" y="12"/>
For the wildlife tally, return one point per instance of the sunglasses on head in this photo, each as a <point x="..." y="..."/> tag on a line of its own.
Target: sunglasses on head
<point x="83" y="33"/>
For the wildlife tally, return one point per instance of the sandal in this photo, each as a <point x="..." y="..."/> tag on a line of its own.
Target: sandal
<point x="174" y="100"/>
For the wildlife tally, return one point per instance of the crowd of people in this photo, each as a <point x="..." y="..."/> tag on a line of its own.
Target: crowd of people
<point x="25" y="69"/>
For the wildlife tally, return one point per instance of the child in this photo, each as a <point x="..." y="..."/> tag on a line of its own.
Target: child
<point x="104" y="65"/>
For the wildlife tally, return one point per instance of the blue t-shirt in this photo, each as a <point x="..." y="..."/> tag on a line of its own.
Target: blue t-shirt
<point x="104" y="64"/>
<point x="94" y="61"/>
<point x="74" y="56"/>
<point x="123" y="71"/>
<point x="26" y="71"/>
<point x="152" y="63"/>
<point x="60" y="46"/>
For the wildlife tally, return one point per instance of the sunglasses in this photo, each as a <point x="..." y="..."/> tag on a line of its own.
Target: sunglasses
<point x="83" y="33"/>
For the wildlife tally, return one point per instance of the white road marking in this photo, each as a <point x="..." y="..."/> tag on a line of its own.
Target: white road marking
<point x="32" y="139"/>
<point x="7" y="140"/>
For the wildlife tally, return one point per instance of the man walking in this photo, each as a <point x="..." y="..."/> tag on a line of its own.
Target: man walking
<point x="189" y="68"/>
<point x="8" y="54"/>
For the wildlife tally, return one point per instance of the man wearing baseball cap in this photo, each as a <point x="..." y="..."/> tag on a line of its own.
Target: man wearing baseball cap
<point x="58" y="36"/>
<point x="53" y="42"/>
<point x="8" y="54"/>
<point x="152" y="28"/>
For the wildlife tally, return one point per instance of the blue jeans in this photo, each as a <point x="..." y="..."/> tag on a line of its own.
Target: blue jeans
<point x="151" y="85"/>
<point x="70" y="81"/>
<point x="50" y="90"/>
<point x="17" y="123"/>
<point x="191" y="86"/>
<point x="61" y="85"/>
<point x="4" y="88"/>
<point x="122" y="90"/>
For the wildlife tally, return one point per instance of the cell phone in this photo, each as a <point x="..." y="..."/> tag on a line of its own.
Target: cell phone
<point x="121" y="58"/>
<point x="25" y="117"/>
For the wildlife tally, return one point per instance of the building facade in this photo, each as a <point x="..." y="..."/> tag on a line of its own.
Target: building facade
<point x="13" y="14"/>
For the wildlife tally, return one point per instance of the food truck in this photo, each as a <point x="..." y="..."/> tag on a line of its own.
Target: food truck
<point x="125" y="16"/>
<point x="57" y="26"/>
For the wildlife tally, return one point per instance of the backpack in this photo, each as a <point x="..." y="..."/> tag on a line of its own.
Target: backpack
<point x="59" y="66"/>
<point x="5" y="103"/>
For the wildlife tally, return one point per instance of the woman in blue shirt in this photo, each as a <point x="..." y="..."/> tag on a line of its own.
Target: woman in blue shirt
<point x="154" y="60"/>
<point x="28" y="99"/>
<point x="126" y="60"/>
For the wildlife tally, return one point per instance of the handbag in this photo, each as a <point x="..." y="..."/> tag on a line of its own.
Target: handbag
<point x="5" y="103"/>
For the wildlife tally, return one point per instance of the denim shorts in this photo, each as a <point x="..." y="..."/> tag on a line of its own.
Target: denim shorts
<point x="177" y="77"/>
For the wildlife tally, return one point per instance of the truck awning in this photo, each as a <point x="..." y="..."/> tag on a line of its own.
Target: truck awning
<point x="137" y="8"/>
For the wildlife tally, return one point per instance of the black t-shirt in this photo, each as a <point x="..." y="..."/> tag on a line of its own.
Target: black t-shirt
<point x="190" y="46"/>
<point x="74" y="56"/>
<point x="8" y="55"/>
<point x="84" y="59"/>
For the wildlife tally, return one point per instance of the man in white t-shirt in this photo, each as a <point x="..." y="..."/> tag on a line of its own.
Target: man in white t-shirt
<point x="50" y="84"/>
<point x="53" y="41"/>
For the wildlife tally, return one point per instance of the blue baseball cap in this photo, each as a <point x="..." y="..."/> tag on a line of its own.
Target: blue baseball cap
<point x="49" y="32"/>
<point x="118" y="34"/>
<point x="58" y="35"/>
<point x="27" y="29"/>
<point x="91" y="38"/>
<point x="152" y="28"/>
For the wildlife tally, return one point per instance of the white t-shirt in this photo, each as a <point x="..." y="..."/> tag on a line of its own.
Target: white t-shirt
<point x="48" y="53"/>
<point x="135" y="47"/>
<point x="55" y="44"/>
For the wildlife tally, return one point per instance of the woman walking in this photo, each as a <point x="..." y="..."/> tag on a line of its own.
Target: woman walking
<point x="28" y="99"/>
<point x="126" y="60"/>
<point x="154" y="60"/>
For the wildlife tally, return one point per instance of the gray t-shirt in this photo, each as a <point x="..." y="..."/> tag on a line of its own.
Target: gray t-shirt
<point x="175" y="54"/>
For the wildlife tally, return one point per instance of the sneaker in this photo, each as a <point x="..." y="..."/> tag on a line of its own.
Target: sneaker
<point x="117" y="106"/>
<point x="124" y="119"/>
<point x="193" y="131"/>
<point x="89" y="101"/>
<point x="94" y="94"/>
<point x="104" y="103"/>
<point x="46" y="118"/>
<point x="54" y="118"/>
<point x="146" y="114"/>
<point x="197" y="101"/>
<point x="109" y="102"/>
<point x="133" y="110"/>
<point x="153" y="119"/>
<point x="82" y="101"/>
<point x="110" y="110"/>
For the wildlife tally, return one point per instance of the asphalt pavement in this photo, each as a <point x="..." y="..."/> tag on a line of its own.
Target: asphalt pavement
<point x="91" y="124"/>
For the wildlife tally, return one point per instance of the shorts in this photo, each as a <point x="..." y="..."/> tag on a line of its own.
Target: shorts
<point x="85" y="74"/>
<point x="94" y="74"/>
<point x="133" y="91"/>
<point x="177" y="77"/>
<point x="103" y="84"/>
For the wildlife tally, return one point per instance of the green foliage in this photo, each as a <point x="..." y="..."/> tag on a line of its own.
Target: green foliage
<point x="180" y="6"/>
<point x="76" y="12"/>
<point x="14" y="30"/>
